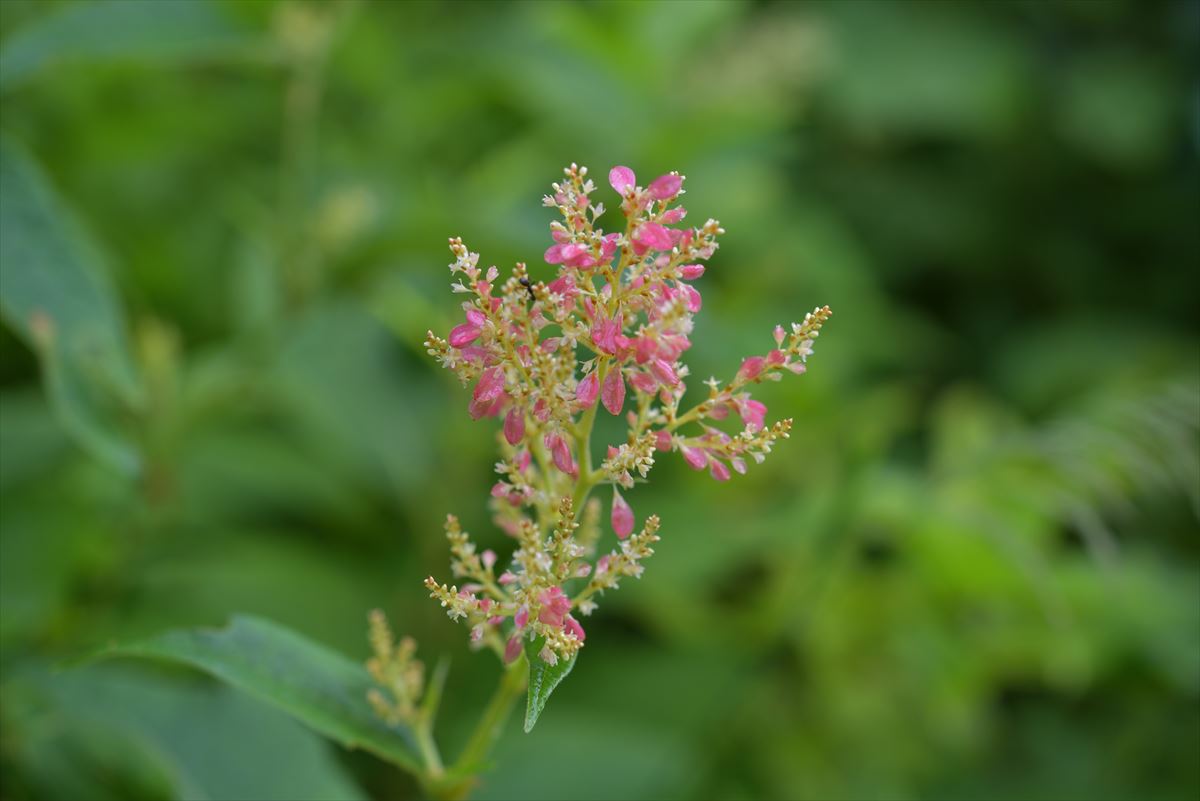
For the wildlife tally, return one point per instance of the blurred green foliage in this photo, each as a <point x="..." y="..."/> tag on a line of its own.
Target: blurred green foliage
<point x="973" y="572"/>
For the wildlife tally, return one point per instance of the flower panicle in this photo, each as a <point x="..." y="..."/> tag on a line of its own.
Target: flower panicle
<point x="399" y="677"/>
<point x="603" y="335"/>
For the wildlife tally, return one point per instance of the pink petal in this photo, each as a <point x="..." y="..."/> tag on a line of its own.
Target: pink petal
<point x="692" y="296"/>
<point x="643" y="382"/>
<point x="695" y="457"/>
<point x="514" y="425"/>
<point x="521" y="618"/>
<point x="664" y="372"/>
<point x="587" y="390"/>
<point x="490" y="385"/>
<point x="751" y="368"/>
<point x="622" y="179"/>
<point x="622" y="516"/>
<point x="753" y="413"/>
<point x="653" y="235"/>
<point x="666" y="186"/>
<point x="571" y="625"/>
<point x="690" y="272"/>
<point x="463" y="335"/>
<point x="613" y="392"/>
<point x="662" y="439"/>
<point x="512" y="649"/>
<point x="644" y="348"/>
<point x="718" y="470"/>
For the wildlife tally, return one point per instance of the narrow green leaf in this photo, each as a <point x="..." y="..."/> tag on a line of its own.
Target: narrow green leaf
<point x="317" y="686"/>
<point x="55" y="293"/>
<point x="543" y="678"/>
<point x="129" y="30"/>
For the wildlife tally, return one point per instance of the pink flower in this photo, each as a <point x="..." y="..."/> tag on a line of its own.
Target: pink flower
<point x="751" y="368"/>
<point x="490" y="385"/>
<point x="644" y="348"/>
<point x="752" y="413"/>
<point x="561" y="452"/>
<point x="514" y="425"/>
<point x="691" y="297"/>
<point x="622" y="180"/>
<point x="622" y="516"/>
<point x="653" y="236"/>
<point x="779" y="335"/>
<point x="643" y="382"/>
<point x="664" y="372"/>
<point x="604" y="335"/>
<point x="608" y="247"/>
<point x="488" y="558"/>
<point x="696" y="457"/>
<point x="506" y="578"/>
<point x="571" y="626"/>
<point x="512" y="649"/>
<point x="555" y="605"/>
<point x="587" y="390"/>
<point x="613" y="392"/>
<point x="463" y="335"/>
<point x="674" y="215"/>
<point x="690" y="272"/>
<point x="666" y="186"/>
<point x="718" y="470"/>
<point x="521" y="618"/>
<point x="662" y="440"/>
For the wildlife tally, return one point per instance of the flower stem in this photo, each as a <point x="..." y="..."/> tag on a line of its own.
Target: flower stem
<point x="434" y="769"/>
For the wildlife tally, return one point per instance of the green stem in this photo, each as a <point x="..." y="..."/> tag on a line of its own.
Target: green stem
<point x="434" y="769"/>
<point x="583" y="441"/>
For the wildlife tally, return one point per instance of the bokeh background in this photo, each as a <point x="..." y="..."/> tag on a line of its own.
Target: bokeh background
<point x="974" y="570"/>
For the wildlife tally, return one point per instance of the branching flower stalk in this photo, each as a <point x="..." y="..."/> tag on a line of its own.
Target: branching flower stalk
<point x="605" y="336"/>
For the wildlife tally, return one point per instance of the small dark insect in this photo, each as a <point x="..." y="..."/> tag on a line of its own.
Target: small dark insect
<point x="526" y="283"/>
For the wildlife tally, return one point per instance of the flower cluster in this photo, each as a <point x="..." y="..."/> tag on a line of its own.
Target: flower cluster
<point x="393" y="669"/>
<point x="608" y="331"/>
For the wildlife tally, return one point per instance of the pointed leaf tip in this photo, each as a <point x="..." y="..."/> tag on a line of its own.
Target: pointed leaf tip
<point x="543" y="679"/>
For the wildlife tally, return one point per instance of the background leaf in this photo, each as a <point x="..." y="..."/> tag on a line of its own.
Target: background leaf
<point x="55" y="291"/>
<point x="116" y="727"/>
<point x="313" y="684"/>
<point x="117" y="30"/>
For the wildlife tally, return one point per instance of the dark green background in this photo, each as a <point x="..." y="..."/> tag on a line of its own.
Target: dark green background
<point x="971" y="573"/>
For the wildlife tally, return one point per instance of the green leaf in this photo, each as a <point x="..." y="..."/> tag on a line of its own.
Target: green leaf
<point x="113" y="730"/>
<point x="317" y="686"/>
<point x="56" y="294"/>
<point x="543" y="678"/>
<point x="118" y="29"/>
